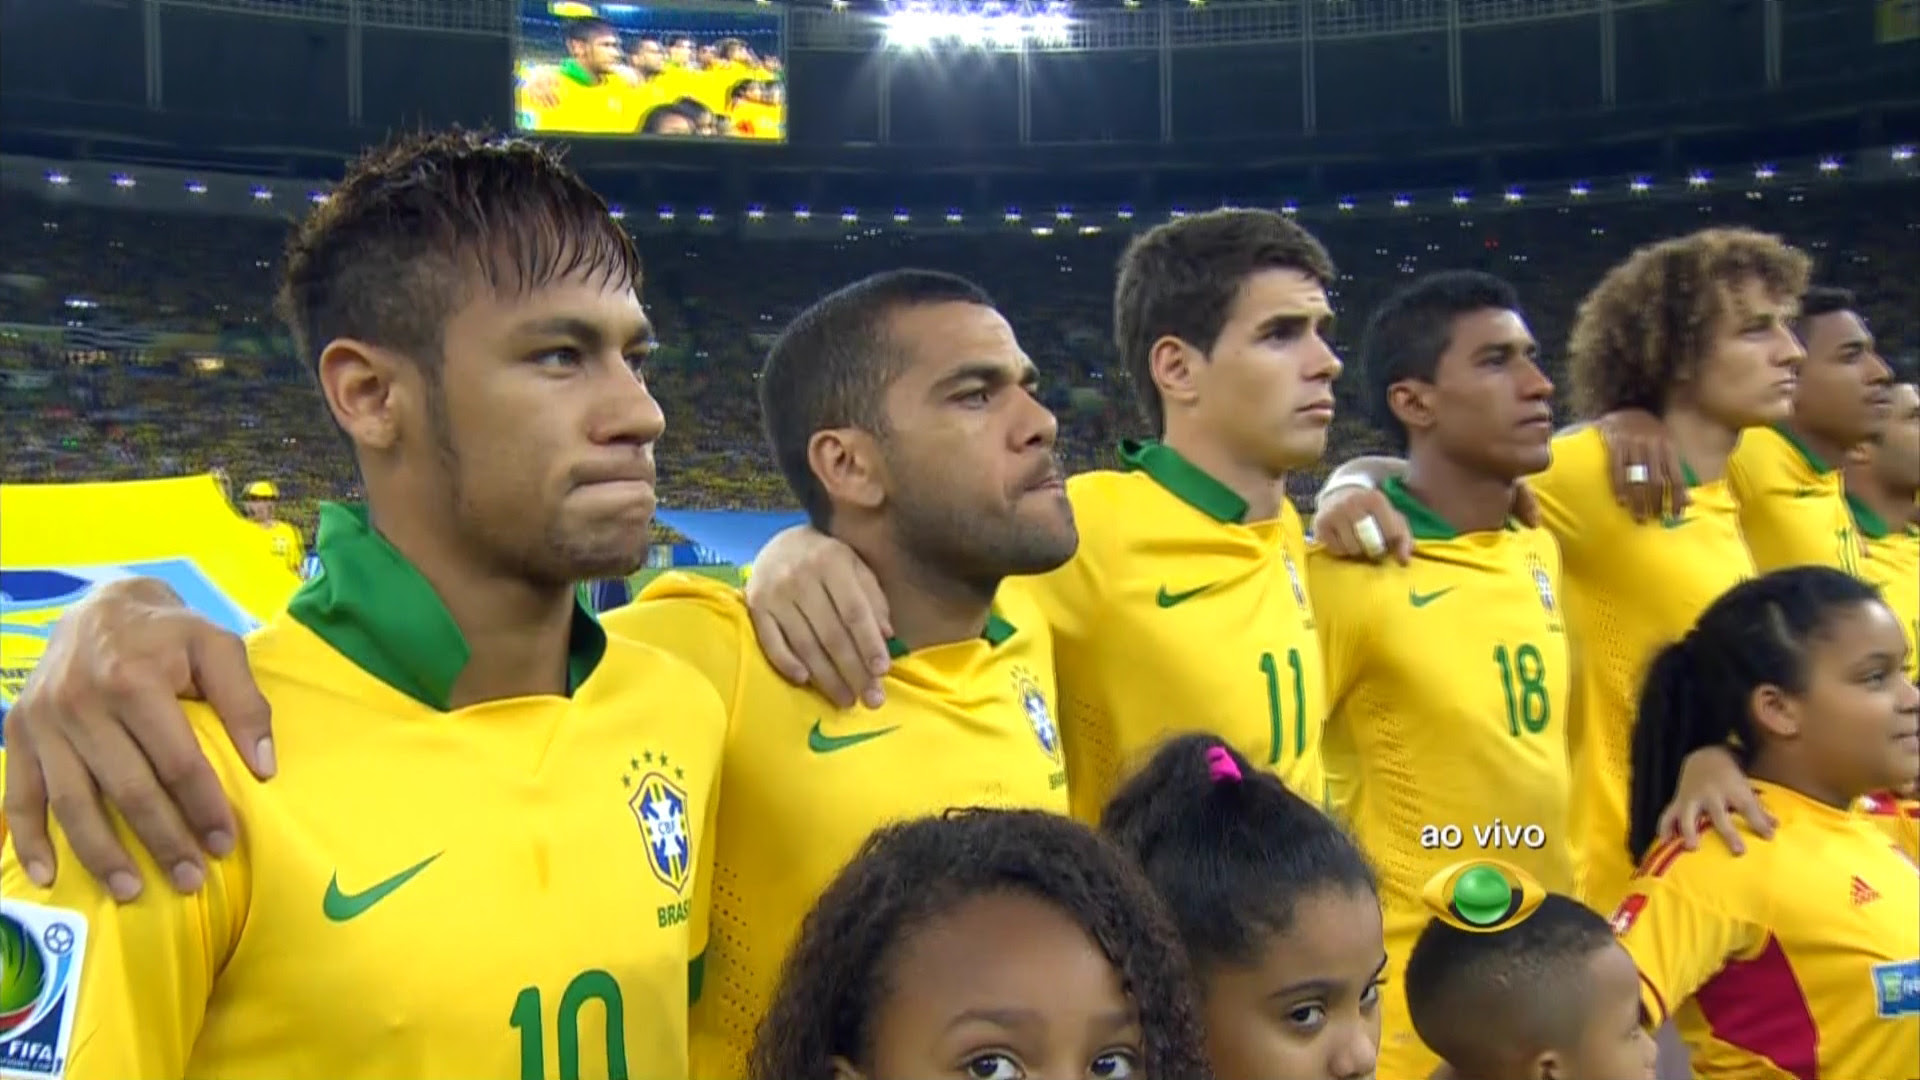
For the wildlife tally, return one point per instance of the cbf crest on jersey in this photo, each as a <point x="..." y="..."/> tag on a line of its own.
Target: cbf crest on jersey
<point x="660" y="806"/>
<point x="1034" y="703"/>
<point x="1543" y="584"/>
<point x="40" y="962"/>
<point x="1293" y="578"/>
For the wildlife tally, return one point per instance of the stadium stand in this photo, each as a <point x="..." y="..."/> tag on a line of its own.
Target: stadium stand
<point x="138" y="407"/>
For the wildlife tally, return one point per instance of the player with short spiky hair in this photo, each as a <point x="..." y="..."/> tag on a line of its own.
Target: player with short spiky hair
<point x="451" y="721"/>
<point x="1222" y="320"/>
<point x="905" y="412"/>
<point x="1550" y="995"/>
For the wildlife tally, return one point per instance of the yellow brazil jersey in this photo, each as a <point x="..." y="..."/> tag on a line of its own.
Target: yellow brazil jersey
<point x="671" y="84"/>
<point x="513" y="890"/>
<point x="1892" y="564"/>
<point x="284" y="541"/>
<point x="1455" y="666"/>
<point x="1175" y="615"/>
<point x="712" y="85"/>
<point x="1631" y="588"/>
<point x="1800" y="959"/>
<point x="965" y="724"/>
<point x="1793" y="509"/>
<point x="1892" y="814"/>
<point x="610" y="105"/>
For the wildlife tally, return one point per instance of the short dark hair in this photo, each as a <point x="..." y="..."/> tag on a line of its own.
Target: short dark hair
<point x="1180" y="280"/>
<point x="1407" y="334"/>
<point x="1231" y="858"/>
<point x="398" y="245"/>
<point x="588" y="28"/>
<point x="906" y="875"/>
<point x="1826" y="300"/>
<point x="1475" y="998"/>
<point x="832" y="364"/>
<point x="1650" y="319"/>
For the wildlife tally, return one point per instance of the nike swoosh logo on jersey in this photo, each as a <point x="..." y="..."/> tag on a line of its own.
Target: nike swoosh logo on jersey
<point x="822" y="743"/>
<point x="1419" y="599"/>
<point x="338" y="906"/>
<point x="1169" y="599"/>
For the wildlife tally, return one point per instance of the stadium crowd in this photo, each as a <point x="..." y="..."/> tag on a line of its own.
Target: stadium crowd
<point x="717" y="300"/>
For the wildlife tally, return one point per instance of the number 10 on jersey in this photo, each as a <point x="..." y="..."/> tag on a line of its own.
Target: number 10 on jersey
<point x="1295" y="676"/>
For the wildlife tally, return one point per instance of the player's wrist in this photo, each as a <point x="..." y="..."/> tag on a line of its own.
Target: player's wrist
<point x="1359" y="481"/>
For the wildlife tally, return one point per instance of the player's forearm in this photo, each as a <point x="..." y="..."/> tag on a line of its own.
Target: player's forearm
<point x="1368" y="471"/>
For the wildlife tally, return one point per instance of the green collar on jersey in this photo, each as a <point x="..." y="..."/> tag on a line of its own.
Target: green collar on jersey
<point x="376" y="610"/>
<point x="1872" y="525"/>
<point x="1806" y="453"/>
<point x="573" y="71"/>
<point x="1187" y="481"/>
<point x="1422" y="521"/>
<point x="997" y="631"/>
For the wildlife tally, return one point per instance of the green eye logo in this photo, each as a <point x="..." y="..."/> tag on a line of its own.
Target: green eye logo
<point x="1482" y="895"/>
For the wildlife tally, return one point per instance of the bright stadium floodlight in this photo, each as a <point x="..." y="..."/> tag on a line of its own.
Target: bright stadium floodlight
<point x="1003" y="27"/>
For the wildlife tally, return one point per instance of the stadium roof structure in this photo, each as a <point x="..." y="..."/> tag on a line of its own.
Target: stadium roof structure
<point x="980" y="104"/>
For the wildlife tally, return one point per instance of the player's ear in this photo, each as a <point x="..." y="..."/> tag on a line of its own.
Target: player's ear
<point x="363" y="387"/>
<point x="1548" y="1066"/>
<point x="1410" y="401"/>
<point x="844" y="1070"/>
<point x="849" y="465"/>
<point x="1175" y="368"/>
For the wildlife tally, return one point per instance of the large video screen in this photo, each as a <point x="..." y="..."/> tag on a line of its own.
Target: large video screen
<point x="685" y="71"/>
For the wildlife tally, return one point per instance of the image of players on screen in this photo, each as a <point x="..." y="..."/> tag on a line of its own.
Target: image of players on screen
<point x="655" y="71"/>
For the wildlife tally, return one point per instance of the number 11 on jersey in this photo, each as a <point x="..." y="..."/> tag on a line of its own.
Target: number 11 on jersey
<point x="1276" y="718"/>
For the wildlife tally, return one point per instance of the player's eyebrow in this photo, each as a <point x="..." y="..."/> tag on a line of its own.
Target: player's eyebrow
<point x="1320" y="318"/>
<point x="1519" y="345"/>
<point x="583" y="330"/>
<point x="985" y="372"/>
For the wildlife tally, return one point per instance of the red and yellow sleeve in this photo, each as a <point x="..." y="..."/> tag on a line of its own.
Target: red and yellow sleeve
<point x="1684" y="917"/>
<point x="122" y="989"/>
<point x="1897" y="817"/>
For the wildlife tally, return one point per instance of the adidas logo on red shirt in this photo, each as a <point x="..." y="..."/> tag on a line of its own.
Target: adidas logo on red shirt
<point x="1863" y="893"/>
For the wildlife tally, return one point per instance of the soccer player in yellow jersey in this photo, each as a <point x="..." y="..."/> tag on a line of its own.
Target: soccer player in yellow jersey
<point x="1695" y="328"/>
<point x="901" y="411"/>
<point x="1456" y="665"/>
<point x="483" y="853"/>
<point x="589" y="94"/>
<point x="1883" y="477"/>
<point x="1786" y="476"/>
<point x="261" y="498"/>
<point x="1186" y="605"/>
<point x="1802" y="958"/>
